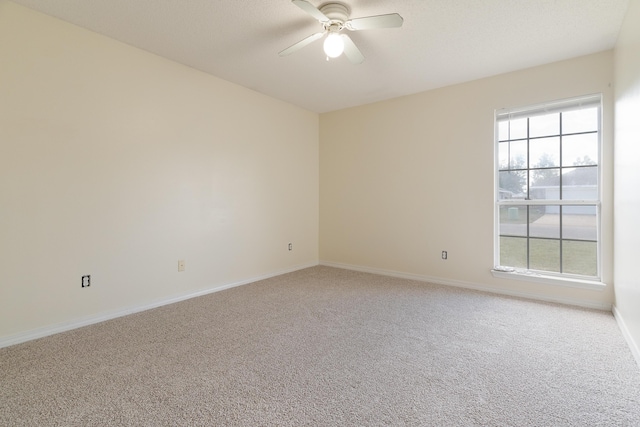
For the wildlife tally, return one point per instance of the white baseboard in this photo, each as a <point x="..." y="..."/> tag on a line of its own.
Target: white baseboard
<point x="633" y="345"/>
<point x="470" y="285"/>
<point x="90" y="320"/>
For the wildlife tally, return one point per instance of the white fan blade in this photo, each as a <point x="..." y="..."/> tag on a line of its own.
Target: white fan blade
<point x="302" y="43"/>
<point x="351" y="51"/>
<point x="311" y="10"/>
<point x="392" y="20"/>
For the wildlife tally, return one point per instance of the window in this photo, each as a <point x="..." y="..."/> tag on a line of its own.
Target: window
<point x="548" y="188"/>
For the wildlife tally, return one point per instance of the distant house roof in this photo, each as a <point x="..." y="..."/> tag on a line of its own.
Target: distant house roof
<point x="580" y="175"/>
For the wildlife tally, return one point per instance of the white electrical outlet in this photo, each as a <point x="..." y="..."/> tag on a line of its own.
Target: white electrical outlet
<point x="181" y="265"/>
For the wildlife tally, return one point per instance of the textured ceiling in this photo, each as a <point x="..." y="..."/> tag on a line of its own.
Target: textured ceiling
<point x="442" y="42"/>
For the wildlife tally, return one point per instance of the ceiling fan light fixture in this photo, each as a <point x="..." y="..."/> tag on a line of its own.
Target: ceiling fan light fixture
<point x="333" y="45"/>
<point x="334" y="17"/>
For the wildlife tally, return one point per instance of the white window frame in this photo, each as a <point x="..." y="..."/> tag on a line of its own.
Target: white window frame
<point x="565" y="279"/>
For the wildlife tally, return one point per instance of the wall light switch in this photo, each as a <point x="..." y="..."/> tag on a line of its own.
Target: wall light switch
<point x="181" y="265"/>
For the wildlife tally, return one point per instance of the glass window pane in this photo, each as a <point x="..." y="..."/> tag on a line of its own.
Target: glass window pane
<point x="512" y="185"/>
<point x="544" y="152"/>
<point x="503" y="130"/>
<point x="518" y="129"/>
<point x="544" y="221"/>
<point x="580" y="150"/>
<point x="544" y="254"/>
<point x="546" y="125"/>
<point x="513" y="252"/>
<point x="513" y="220"/>
<point x="518" y="155"/>
<point x="580" y="120"/>
<point x="503" y="155"/>
<point x="580" y="258"/>
<point x="579" y="222"/>
<point x="545" y="184"/>
<point x="580" y="183"/>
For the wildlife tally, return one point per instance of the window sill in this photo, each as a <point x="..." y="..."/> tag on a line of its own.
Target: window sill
<point x="550" y="280"/>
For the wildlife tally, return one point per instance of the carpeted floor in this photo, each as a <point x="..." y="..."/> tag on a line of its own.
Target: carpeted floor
<point x="330" y="347"/>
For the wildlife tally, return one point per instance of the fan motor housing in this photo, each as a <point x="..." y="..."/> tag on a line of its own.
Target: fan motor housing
<point x="336" y="12"/>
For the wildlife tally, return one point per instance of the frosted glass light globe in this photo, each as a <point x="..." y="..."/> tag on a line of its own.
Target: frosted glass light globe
<point x="333" y="45"/>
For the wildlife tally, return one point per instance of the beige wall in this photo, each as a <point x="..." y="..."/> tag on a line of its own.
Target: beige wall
<point x="627" y="175"/>
<point x="404" y="179"/>
<point x="116" y="163"/>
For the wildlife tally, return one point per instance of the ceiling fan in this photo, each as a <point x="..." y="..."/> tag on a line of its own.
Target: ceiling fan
<point x="334" y="17"/>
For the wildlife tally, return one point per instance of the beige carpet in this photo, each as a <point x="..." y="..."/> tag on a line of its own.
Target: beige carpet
<point x="330" y="347"/>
